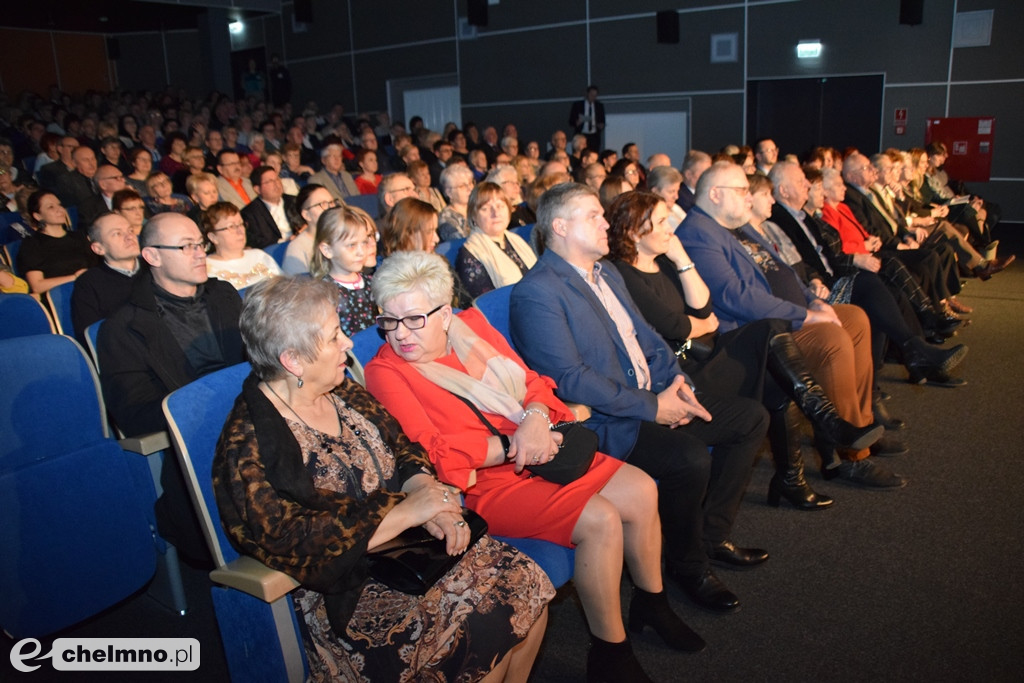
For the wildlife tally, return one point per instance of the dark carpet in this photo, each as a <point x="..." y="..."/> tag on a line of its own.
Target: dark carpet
<point x="920" y="584"/>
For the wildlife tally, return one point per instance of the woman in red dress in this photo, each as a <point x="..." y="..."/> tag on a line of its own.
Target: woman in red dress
<point x="434" y="362"/>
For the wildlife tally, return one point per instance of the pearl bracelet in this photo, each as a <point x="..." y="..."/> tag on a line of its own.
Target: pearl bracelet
<point x="537" y="411"/>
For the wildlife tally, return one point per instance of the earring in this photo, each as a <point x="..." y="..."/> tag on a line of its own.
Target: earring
<point x="300" y="383"/>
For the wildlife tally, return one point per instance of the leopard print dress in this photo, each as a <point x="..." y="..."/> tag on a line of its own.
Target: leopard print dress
<point x="458" y="631"/>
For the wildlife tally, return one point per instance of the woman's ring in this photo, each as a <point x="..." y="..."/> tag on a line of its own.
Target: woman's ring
<point x="461" y="522"/>
<point x="445" y="494"/>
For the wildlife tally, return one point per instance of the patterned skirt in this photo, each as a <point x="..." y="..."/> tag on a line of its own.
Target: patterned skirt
<point x="457" y="632"/>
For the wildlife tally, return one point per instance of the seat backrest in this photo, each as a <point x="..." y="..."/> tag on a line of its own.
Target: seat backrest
<point x="366" y="202"/>
<point x="365" y="345"/>
<point x="195" y="416"/>
<point x="21" y="315"/>
<point x="92" y="333"/>
<point x="59" y="299"/>
<point x="450" y="249"/>
<point x="75" y="535"/>
<point x="524" y="231"/>
<point x="12" y="227"/>
<point x="11" y="256"/>
<point x="494" y="306"/>
<point x="277" y="251"/>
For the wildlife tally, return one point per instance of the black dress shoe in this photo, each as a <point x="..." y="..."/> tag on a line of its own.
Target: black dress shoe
<point x="889" y="446"/>
<point x="868" y="474"/>
<point x="707" y="590"/>
<point x="882" y="417"/>
<point x="942" y="379"/>
<point x="728" y="555"/>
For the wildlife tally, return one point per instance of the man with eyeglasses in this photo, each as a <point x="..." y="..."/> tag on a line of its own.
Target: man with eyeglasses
<point x="747" y="282"/>
<point x="231" y="186"/>
<point x="270" y="216"/>
<point x="109" y="179"/>
<point x="176" y="326"/>
<point x="766" y="153"/>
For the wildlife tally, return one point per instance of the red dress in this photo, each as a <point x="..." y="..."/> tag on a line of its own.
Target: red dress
<point x="513" y="504"/>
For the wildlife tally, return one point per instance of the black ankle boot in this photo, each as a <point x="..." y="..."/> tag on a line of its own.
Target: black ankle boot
<point x="922" y="359"/>
<point x="787" y="366"/>
<point x="652" y="609"/>
<point x="789" y="482"/>
<point x="613" y="663"/>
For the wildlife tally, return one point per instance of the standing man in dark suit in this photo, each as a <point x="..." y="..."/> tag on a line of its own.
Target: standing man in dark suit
<point x="269" y="217"/>
<point x="587" y="118"/>
<point x="574" y="320"/>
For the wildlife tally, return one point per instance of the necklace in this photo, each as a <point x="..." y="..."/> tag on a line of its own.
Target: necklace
<point x="288" y="406"/>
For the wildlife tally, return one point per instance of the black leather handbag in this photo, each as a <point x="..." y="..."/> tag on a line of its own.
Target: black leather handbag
<point x="414" y="561"/>
<point x="575" y="454"/>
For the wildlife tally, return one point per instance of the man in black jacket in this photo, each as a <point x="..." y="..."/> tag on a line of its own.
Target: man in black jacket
<point x="176" y="327"/>
<point x="269" y="217"/>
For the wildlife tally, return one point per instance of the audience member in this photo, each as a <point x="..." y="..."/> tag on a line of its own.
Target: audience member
<point x="574" y="321"/>
<point x="102" y="289"/>
<point x="268" y="217"/>
<point x="229" y="258"/>
<point x="492" y="256"/>
<point x="52" y="255"/>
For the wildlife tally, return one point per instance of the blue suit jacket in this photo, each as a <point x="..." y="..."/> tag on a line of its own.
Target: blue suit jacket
<point x="562" y="331"/>
<point x="739" y="289"/>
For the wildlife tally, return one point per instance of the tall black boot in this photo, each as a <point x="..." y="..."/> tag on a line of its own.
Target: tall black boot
<point x="787" y="366"/>
<point x="923" y="360"/>
<point x="789" y="482"/>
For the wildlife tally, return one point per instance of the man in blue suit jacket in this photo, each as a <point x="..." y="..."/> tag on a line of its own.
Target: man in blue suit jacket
<point x="574" y="321"/>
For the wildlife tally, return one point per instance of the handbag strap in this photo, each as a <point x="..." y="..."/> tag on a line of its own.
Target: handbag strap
<point x="476" y="411"/>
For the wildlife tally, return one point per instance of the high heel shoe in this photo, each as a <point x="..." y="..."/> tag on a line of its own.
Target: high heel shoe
<point x="613" y="663"/>
<point x="652" y="609"/>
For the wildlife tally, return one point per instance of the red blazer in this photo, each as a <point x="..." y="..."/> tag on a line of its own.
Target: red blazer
<point x="852" y="233"/>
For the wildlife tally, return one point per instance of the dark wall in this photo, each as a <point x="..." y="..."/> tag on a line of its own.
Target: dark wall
<point x="535" y="57"/>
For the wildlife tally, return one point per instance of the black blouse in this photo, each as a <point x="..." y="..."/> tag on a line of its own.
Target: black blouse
<point x="661" y="300"/>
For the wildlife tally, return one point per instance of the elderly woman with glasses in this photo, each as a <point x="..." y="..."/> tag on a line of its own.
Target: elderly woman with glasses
<point x="457" y="184"/>
<point x="456" y="387"/>
<point x="228" y="258"/>
<point x="491" y="257"/>
<point x="311" y="473"/>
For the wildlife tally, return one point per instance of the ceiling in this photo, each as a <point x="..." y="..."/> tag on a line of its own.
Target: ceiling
<point x="114" y="16"/>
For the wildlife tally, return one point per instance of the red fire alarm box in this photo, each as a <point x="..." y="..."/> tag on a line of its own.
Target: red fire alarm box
<point x="969" y="141"/>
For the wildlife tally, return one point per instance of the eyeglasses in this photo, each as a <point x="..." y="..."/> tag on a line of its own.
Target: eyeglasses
<point x="405" y="188"/>
<point x="111" y="177"/>
<point x="742" y="189"/>
<point x="411" y="322"/>
<point x="133" y="207"/>
<point x="187" y="248"/>
<point x="323" y="206"/>
<point x="632" y="171"/>
<point x="237" y="227"/>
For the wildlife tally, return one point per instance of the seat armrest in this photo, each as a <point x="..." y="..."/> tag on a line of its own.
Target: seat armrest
<point x="581" y="411"/>
<point x="146" y="444"/>
<point x="251" y="576"/>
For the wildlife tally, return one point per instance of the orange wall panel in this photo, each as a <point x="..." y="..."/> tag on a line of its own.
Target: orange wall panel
<point x="82" y="60"/>
<point x="27" y="63"/>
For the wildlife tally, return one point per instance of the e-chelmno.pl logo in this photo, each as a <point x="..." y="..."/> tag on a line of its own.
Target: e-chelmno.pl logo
<point x="109" y="654"/>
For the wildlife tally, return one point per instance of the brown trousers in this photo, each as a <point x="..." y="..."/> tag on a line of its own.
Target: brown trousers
<point x="840" y="359"/>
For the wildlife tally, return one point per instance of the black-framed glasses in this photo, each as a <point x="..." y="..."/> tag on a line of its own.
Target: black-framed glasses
<point x="237" y="227"/>
<point x="187" y="248"/>
<point x="323" y="206"/>
<point x="411" y="322"/>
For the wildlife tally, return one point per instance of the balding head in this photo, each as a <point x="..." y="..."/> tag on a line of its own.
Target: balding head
<point x="724" y="194"/>
<point x="790" y="183"/>
<point x="857" y="170"/>
<point x="657" y="160"/>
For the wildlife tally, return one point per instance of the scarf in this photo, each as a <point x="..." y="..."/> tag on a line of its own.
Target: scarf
<point x="493" y="383"/>
<point x="500" y="268"/>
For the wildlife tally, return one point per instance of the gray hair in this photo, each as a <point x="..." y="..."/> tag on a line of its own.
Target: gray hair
<point x="284" y="314"/>
<point x="452" y="174"/>
<point x="405" y="271"/>
<point x="830" y="174"/>
<point x="495" y="174"/>
<point x="555" y="203"/>
<point x="661" y="177"/>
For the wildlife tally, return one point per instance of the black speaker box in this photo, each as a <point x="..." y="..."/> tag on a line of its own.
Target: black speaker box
<point x="911" y="12"/>
<point x="476" y="12"/>
<point x="668" y="26"/>
<point x="304" y="11"/>
<point x="113" y="48"/>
